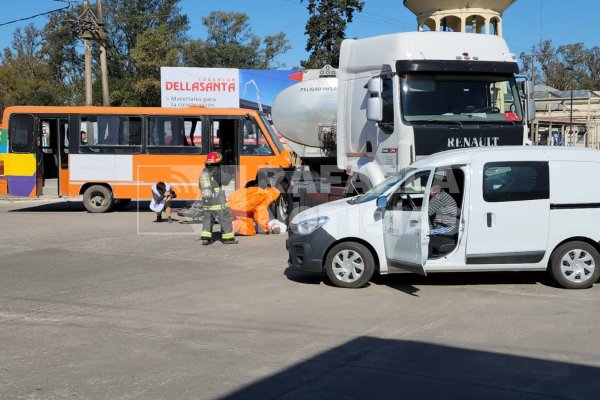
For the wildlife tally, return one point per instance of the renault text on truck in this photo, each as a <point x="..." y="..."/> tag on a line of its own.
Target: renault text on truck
<point x="517" y="209"/>
<point x="113" y="154"/>
<point x="398" y="98"/>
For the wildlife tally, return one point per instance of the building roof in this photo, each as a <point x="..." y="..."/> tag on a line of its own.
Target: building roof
<point x="430" y="6"/>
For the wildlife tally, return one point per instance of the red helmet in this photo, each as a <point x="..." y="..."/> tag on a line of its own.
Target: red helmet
<point x="214" y="157"/>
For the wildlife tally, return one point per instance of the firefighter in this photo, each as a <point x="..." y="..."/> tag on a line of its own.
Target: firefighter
<point x="214" y="203"/>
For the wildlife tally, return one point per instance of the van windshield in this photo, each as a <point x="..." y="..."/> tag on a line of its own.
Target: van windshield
<point x="383" y="187"/>
<point x="460" y="98"/>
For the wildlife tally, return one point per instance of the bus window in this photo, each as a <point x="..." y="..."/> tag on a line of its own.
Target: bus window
<point x="172" y="134"/>
<point x="64" y="135"/>
<point x="254" y="141"/>
<point x="111" y="130"/>
<point x="63" y="131"/>
<point x="21" y="133"/>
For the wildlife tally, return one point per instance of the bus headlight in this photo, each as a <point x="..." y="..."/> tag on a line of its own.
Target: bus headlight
<point x="308" y="226"/>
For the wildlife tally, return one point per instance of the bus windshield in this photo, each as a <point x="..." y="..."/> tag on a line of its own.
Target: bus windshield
<point x="272" y="133"/>
<point x="460" y="98"/>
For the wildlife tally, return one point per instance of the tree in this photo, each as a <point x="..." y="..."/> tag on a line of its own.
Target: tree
<point x="26" y="76"/>
<point x="326" y="28"/>
<point x="155" y="48"/>
<point x="46" y="66"/>
<point x="230" y="43"/>
<point x="126" y="20"/>
<point x="61" y="47"/>
<point x="570" y="66"/>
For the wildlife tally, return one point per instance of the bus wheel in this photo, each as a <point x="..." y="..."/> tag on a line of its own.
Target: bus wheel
<point x="349" y="265"/>
<point x="98" y="199"/>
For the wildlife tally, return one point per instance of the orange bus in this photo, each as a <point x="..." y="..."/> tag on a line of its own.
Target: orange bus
<point x="111" y="155"/>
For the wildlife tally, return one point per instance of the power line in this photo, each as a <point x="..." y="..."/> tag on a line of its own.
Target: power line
<point x="384" y="19"/>
<point x="41" y="14"/>
<point x="369" y="17"/>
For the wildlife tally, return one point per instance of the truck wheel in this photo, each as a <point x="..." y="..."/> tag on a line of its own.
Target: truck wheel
<point x="349" y="265"/>
<point x="98" y="199"/>
<point x="281" y="208"/>
<point x="575" y="265"/>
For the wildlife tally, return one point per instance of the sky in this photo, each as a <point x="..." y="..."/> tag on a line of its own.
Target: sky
<point x="526" y="22"/>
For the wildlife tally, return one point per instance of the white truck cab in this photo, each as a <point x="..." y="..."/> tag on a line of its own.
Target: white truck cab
<point x="506" y="209"/>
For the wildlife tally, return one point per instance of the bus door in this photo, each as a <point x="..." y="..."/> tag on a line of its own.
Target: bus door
<point x="39" y="158"/>
<point x="25" y="174"/>
<point x="53" y="132"/>
<point x="224" y="136"/>
<point x="63" y="150"/>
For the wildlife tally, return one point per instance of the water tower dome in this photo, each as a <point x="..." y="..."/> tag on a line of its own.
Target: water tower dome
<point x="476" y="16"/>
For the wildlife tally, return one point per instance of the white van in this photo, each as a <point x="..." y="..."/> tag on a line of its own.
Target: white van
<point x="510" y="209"/>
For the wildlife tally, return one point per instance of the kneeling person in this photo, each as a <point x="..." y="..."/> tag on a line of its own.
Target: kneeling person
<point x="162" y="194"/>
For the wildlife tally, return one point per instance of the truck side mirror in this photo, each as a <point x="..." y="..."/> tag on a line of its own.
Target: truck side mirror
<point x="375" y="86"/>
<point x="382" y="202"/>
<point x="529" y="100"/>
<point x="374" y="109"/>
<point x="374" y="101"/>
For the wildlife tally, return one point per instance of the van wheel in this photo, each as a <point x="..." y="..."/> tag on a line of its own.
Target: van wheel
<point x="98" y="199"/>
<point x="575" y="265"/>
<point x="349" y="265"/>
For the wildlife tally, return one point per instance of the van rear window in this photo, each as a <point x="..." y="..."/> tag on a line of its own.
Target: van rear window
<point x="516" y="181"/>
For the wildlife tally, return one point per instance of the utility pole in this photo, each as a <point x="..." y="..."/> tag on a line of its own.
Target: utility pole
<point x="571" y="118"/>
<point x="103" y="66"/>
<point x="89" y="28"/>
<point x="88" y="65"/>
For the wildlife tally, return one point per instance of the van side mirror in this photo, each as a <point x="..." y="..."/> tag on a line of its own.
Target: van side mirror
<point x="381" y="202"/>
<point x="374" y="101"/>
<point x="529" y="101"/>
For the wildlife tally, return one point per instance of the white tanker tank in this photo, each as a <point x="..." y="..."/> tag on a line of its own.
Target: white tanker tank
<point x="306" y="115"/>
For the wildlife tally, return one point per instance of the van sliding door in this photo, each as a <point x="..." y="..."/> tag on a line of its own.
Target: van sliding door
<point x="509" y="218"/>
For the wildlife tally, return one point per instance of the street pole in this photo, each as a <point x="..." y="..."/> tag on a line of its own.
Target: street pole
<point x="571" y="118"/>
<point x="103" y="66"/>
<point x="88" y="65"/>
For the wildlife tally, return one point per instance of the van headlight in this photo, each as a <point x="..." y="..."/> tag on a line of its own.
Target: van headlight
<point x="310" y="225"/>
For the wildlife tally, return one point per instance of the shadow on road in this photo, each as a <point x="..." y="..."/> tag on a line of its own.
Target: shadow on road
<point x="305" y="277"/>
<point x="407" y="283"/>
<point x="400" y="281"/>
<point x="64" y="206"/>
<point x="373" y="368"/>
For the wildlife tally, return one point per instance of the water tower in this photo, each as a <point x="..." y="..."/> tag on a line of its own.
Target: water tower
<point x="474" y="16"/>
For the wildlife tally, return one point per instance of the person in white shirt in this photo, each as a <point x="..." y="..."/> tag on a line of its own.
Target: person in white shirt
<point x="162" y="194"/>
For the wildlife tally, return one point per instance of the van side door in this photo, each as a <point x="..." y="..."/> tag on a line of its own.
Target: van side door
<point x="405" y="223"/>
<point x="510" y="210"/>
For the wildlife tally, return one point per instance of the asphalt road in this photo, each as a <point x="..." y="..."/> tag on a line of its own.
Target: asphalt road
<point x="114" y="306"/>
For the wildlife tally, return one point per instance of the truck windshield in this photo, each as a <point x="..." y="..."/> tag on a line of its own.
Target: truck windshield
<point x="460" y="98"/>
<point x="383" y="187"/>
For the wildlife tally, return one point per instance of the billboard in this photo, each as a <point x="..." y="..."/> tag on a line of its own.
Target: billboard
<point x="224" y="87"/>
<point x="209" y="87"/>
